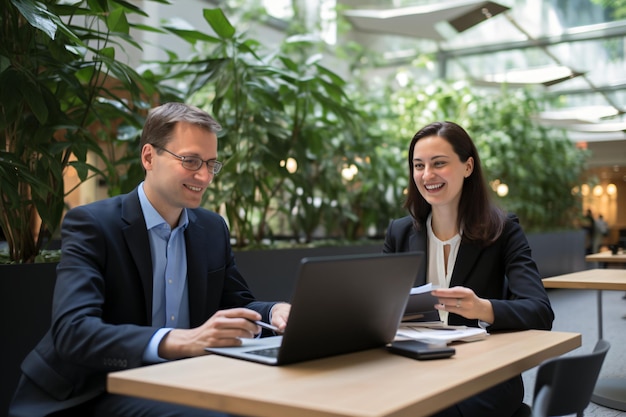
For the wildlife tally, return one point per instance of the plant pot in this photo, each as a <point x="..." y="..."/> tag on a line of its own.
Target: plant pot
<point x="26" y="305"/>
<point x="271" y="273"/>
<point x="558" y="253"/>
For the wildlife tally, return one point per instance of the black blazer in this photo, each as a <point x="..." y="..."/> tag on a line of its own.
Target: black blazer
<point x="102" y="309"/>
<point x="503" y="272"/>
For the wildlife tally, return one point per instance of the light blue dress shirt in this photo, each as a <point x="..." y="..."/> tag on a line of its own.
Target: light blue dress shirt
<point x="170" y="306"/>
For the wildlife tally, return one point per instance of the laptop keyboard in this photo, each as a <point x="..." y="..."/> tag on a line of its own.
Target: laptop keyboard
<point x="268" y="352"/>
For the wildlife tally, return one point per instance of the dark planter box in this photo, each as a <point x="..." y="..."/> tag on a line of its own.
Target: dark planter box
<point x="558" y="253"/>
<point x="271" y="273"/>
<point x="26" y="307"/>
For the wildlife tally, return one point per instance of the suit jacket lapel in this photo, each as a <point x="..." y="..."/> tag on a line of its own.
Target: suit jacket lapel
<point x="465" y="260"/>
<point x="138" y="244"/>
<point x="417" y="242"/>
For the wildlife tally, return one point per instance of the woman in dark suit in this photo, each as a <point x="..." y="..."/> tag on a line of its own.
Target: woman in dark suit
<point x="476" y="255"/>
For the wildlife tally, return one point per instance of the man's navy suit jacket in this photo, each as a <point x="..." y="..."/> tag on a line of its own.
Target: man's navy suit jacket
<point x="102" y="307"/>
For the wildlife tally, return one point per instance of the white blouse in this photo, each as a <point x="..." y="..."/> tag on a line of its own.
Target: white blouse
<point x="438" y="274"/>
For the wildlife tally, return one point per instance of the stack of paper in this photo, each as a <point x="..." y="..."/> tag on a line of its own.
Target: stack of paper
<point x="436" y="332"/>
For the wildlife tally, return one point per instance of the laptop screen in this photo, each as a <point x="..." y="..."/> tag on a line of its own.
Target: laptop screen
<point x="341" y="304"/>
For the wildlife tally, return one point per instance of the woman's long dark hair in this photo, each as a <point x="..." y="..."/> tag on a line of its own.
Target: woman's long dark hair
<point x="479" y="218"/>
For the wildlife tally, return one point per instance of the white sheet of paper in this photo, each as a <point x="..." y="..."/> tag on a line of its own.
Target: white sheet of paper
<point x="443" y="334"/>
<point x="423" y="288"/>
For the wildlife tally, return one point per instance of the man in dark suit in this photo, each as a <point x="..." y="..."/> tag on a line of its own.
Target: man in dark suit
<point x="144" y="278"/>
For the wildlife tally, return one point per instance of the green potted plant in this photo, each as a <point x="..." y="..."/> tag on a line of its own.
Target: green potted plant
<point x="540" y="166"/>
<point x="276" y="106"/>
<point x="290" y="132"/>
<point x="63" y="91"/>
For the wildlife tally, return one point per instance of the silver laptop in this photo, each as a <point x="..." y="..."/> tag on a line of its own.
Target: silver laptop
<point x="340" y="304"/>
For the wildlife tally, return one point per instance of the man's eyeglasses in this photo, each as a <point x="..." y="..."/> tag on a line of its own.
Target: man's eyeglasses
<point x="193" y="163"/>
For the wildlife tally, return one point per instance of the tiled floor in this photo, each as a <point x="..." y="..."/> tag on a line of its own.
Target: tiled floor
<point x="576" y="311"/>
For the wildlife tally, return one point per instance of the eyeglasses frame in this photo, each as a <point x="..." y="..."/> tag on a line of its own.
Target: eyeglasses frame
<point x="217" y="165"/>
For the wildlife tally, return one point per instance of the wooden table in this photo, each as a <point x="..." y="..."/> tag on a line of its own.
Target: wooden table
<point x="607" y="257"/>
<point x="609" y="392"/>
<point x="372" y="383"/>
<point x="591" y="279"/>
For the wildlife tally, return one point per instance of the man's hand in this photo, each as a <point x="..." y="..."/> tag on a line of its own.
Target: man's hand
<point x="224" y="328"/>
<point x="280" y="315"/>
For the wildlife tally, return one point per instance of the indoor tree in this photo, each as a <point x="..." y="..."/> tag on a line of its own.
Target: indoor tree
<point x="64" y="89"/>
<point x="540" y="165"/>
<point x="276" y="106"/>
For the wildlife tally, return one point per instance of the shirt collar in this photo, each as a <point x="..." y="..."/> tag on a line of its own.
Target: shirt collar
<point x="152" y="217"/>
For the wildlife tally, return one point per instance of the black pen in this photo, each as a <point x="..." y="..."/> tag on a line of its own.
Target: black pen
<point x="264" y="325"/>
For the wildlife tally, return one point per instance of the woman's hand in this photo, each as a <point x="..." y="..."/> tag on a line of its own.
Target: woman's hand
<point x="464" y="302"/>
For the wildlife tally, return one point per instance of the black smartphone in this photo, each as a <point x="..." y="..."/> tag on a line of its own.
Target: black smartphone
<point x="420" y="350"/>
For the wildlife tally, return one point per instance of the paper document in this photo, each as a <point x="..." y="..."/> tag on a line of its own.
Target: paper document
<point x="436" y="332"/>
<point x="421" y="304"/>
<point x="423" y="288"/>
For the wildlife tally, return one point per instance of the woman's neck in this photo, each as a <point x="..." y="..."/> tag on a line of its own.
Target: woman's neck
<point x="444" y="223"/>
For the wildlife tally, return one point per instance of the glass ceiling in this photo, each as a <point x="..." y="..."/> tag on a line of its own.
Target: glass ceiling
<point x="572" y="50"/>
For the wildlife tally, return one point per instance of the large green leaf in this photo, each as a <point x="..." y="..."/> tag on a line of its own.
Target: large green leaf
<point x="184" y="31"/>
<point x="63" y="91"/>
<point x="37" y="15"/>
<point x="33" y="96"/>
<point x="116" y="21"/>
<point x="219" y="23"/>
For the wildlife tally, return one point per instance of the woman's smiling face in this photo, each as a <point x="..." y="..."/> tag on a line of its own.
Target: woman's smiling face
<point x="438" y="172"/>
